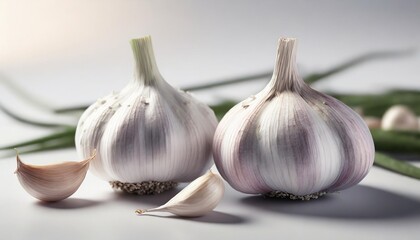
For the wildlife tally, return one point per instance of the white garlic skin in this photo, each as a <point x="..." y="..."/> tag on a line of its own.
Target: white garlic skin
<point x="149" y="131"/>
<point x="198" y="198"/>
<point x="399" y="117"/>
<point x="291" y="138"/>
<point x="53" y="182"/>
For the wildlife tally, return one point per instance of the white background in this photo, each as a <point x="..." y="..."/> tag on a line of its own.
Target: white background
<point x="72" y="52"/>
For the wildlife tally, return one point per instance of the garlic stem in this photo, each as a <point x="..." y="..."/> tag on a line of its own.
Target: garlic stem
<point x="285" y="75"/>
<point x="145" y="68"/>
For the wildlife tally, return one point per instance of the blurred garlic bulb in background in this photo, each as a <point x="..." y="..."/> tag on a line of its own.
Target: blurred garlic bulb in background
<point x="149" y="135"/>
<point x="52" y="182"/>
<point x="290" y="140"/>
<point x="399" y="117"/>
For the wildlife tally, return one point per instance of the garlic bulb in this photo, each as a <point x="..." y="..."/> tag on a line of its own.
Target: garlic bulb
<point x="399" y="117"/>
<point x="149" y="135"/>
<point x="198" y="198"/>
<point x="53" y="182"/>
<point x="290" y="140"/>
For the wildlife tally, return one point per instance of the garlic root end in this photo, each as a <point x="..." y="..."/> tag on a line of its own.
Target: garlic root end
<point x="285" y="195"/>
<point x="143" y="188"/>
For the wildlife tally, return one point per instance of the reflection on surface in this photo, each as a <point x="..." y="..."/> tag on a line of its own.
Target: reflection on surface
<point x="359" y="202"/>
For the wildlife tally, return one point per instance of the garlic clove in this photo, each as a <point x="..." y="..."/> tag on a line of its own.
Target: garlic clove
<point x="200" y="197"/>
<point x="53" y="182"/>
<point x="399" y="117"/>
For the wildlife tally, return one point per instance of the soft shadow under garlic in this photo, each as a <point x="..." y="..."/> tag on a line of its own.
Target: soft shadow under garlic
<point x="70" y="203"/>
<point x="152" y="200"/>
<point x="357" y="203"/>
<point x="215" y="217"/>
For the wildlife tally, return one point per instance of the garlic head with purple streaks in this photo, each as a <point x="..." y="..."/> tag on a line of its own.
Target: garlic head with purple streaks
<point x="290" y="140"/>
<point x="149" y="136"/>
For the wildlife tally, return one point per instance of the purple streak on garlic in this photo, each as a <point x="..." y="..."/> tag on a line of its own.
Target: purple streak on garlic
<point x="292" y="139"/>
<point x="148" y="131"/>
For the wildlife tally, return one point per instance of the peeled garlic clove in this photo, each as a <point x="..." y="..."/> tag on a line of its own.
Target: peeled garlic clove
<point x="149" y="136"/>
<point x="53" y="182"/>
<point x="198" y="198"/>
<point x="290" y="140"/>
<point x="399" y="117"/>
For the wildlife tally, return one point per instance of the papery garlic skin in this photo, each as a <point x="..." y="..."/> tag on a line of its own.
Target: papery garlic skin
<point x="148" y="131"/>
<point x="290" y="138"/>
<point x="399" y="117"/>
<point x="53" y="182"/>
<point x="198" y="198"/>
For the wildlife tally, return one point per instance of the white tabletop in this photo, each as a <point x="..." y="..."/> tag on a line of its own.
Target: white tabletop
<point x="77" y="51"/>
<point x="383" y="206"/>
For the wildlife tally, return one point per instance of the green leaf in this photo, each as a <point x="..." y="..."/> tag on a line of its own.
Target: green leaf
<point x="222" y="108"/>
<point x="73" y="109"/>
<point x="24" y="94"/>
<point x="52" y="145"/>
<point x="372" y="105"/>
<point x="29" y="121"/>
<point x="396" y="142"/>
<point x="311" y="78"/>
<point x="263" y="75"/>
<point x="66" y="135"/>
<point x="396" y="166"/>
<point x="377" y="104"/>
